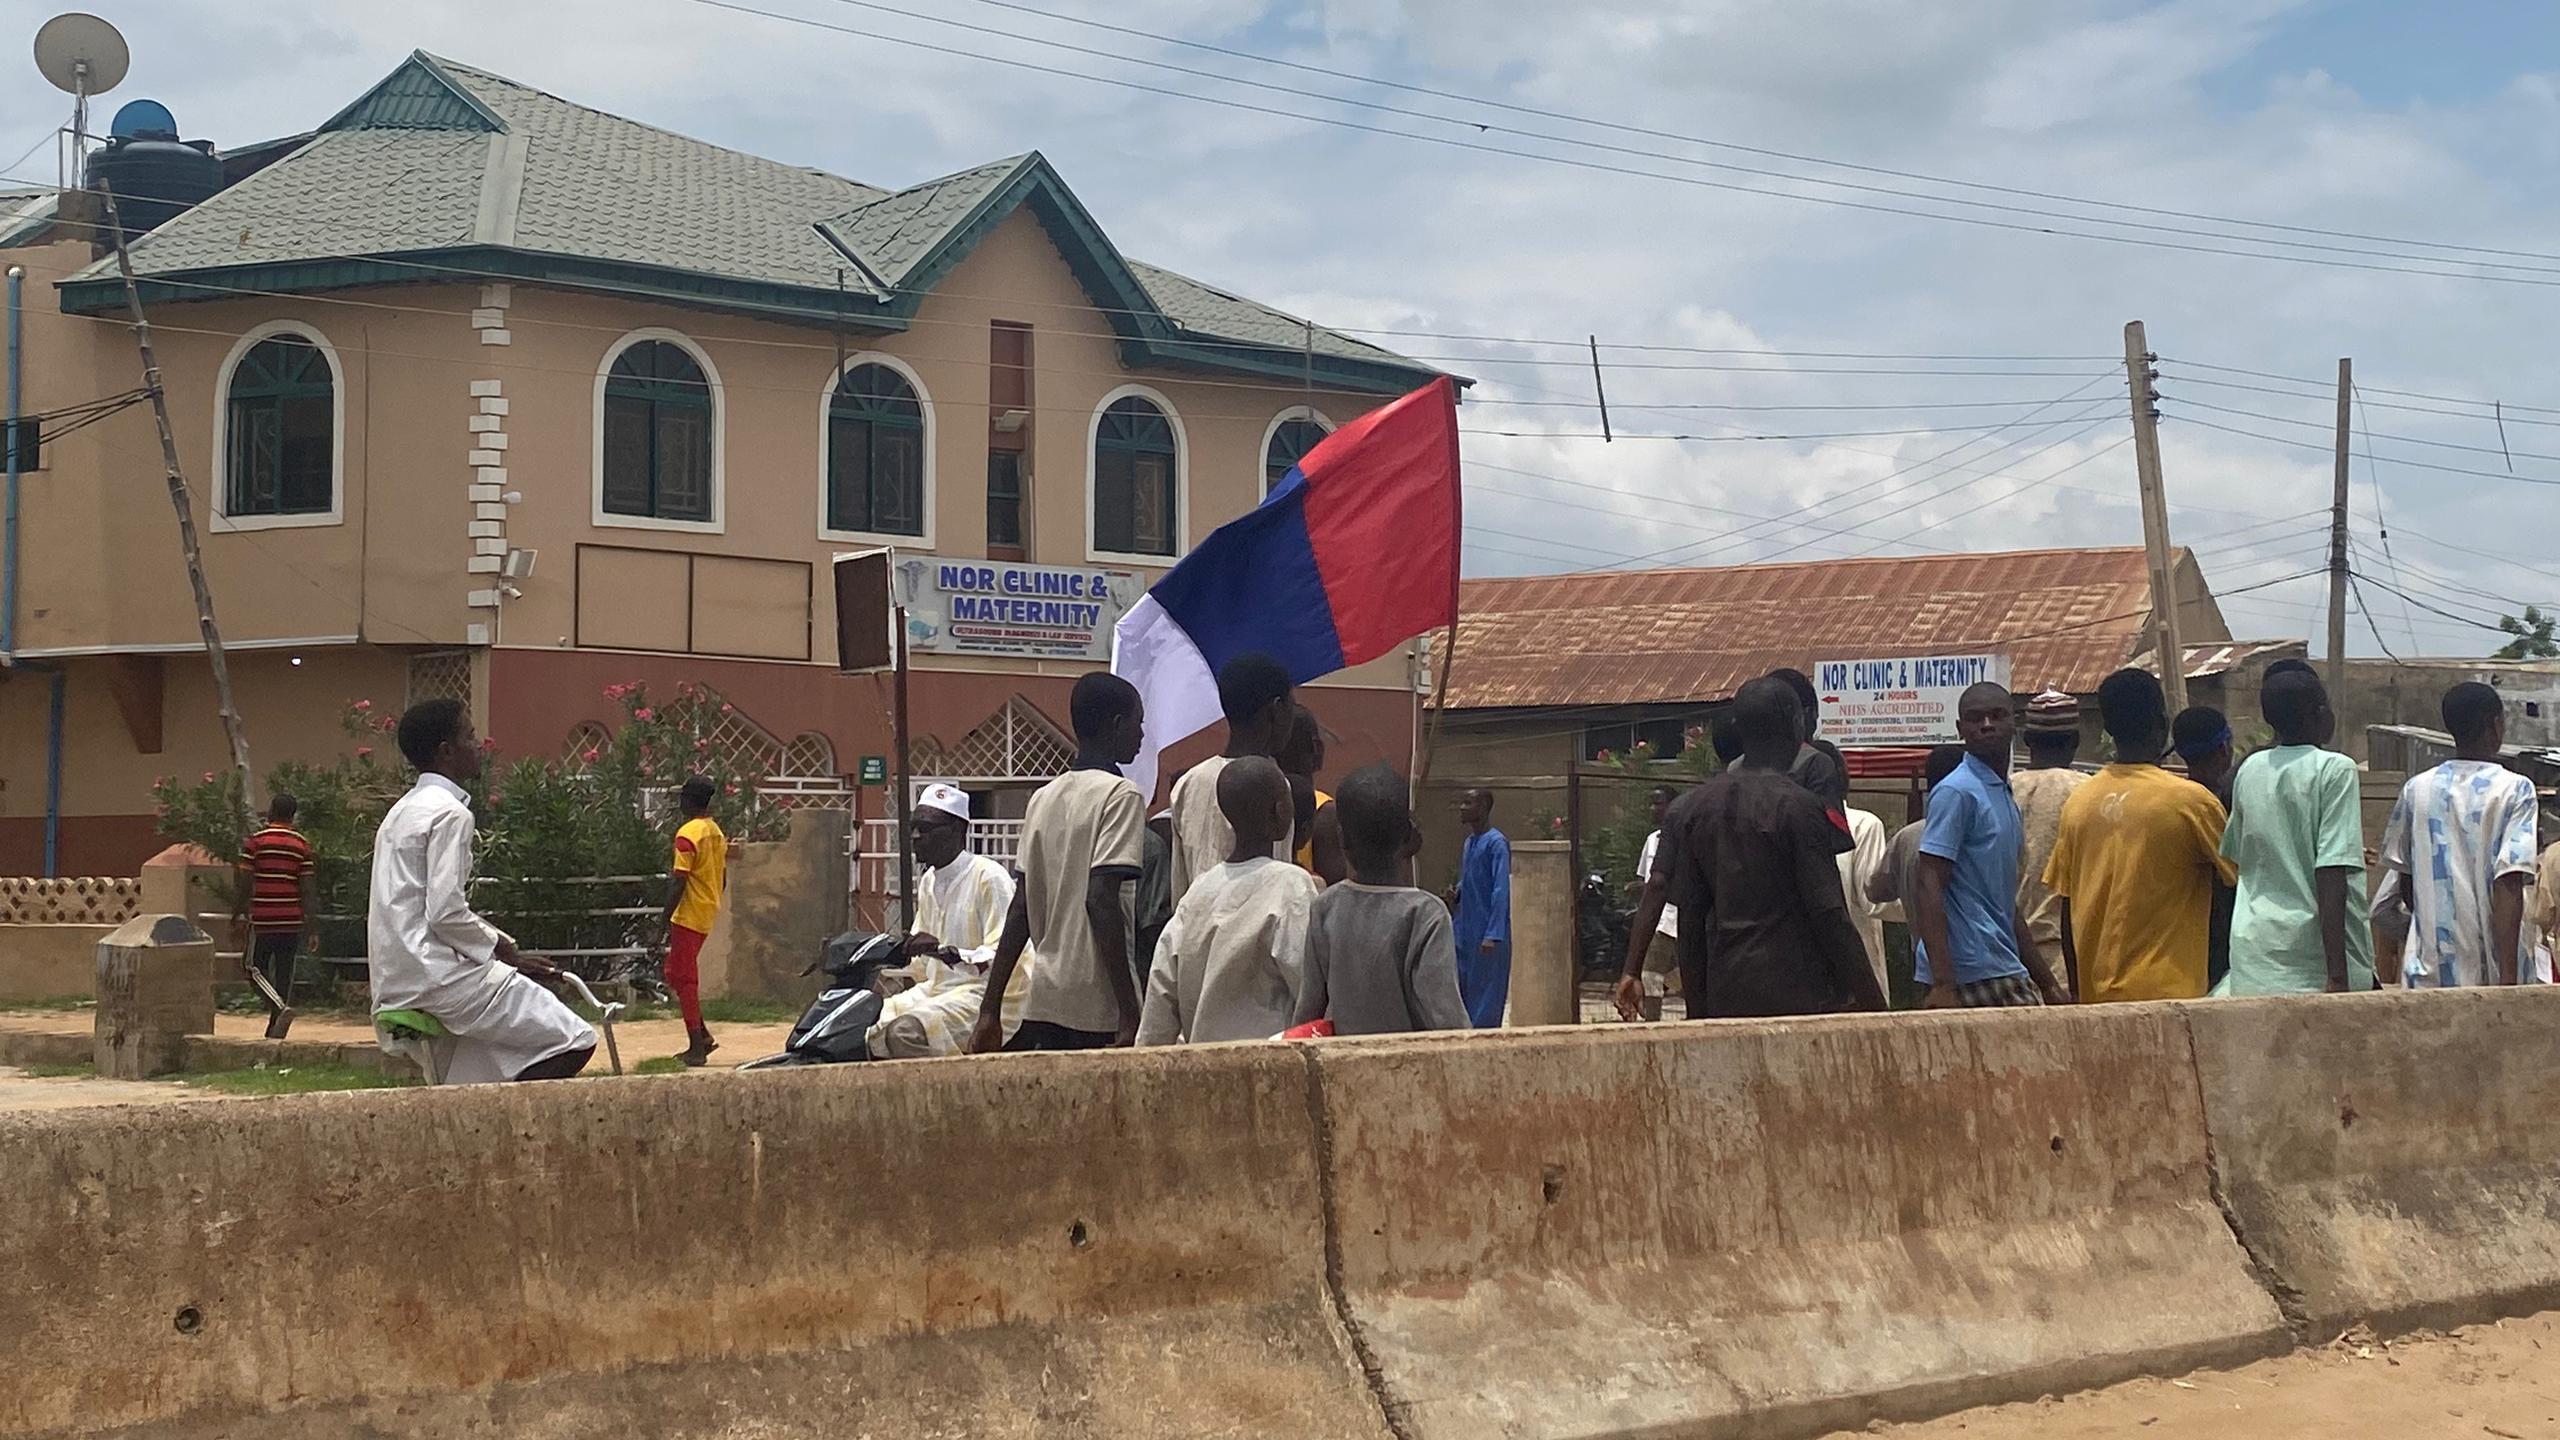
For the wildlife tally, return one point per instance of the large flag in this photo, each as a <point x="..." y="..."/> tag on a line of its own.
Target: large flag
<point x="1353" y="553"/>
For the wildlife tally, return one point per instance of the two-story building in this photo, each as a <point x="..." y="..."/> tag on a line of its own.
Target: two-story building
<point x="482" y="392"/>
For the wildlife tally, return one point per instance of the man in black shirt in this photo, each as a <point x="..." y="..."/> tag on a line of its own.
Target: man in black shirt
<point x="1750" y="858"/>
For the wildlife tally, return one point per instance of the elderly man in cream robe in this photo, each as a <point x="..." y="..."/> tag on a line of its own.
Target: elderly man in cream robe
<point x="961" y="901"/>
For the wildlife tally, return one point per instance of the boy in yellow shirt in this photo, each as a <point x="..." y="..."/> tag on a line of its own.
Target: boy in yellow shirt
<point x="694" y="884"/>
<point x="2135" y="860"/>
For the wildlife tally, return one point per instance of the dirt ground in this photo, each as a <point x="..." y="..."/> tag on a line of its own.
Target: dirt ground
<point x="2499" y="1380"/>
<point x="640" y="1039"/>
<point x="22" y="1091"/>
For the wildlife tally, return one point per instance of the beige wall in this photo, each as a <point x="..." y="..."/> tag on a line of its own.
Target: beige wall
<point x="101" y="566"/>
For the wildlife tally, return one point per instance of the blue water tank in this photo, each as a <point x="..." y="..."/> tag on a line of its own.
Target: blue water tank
<point x="144" y="120"/>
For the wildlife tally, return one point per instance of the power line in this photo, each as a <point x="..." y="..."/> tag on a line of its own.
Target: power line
<point x="2396" y="460"/>
<point x="2369" y="435"/>
<point x="1983" y="221"/>
<point x="1801" y="159"/>
<point x="1638" y="152"/>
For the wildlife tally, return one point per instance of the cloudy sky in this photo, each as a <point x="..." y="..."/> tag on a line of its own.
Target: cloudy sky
<point x="1726" y="302"/>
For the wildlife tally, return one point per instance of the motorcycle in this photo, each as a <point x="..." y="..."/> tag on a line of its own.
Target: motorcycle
<point x="836" y="1028"/>
<point x="1603" y="923"/>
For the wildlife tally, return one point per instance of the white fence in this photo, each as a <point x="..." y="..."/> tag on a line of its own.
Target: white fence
<point x="874" y="846"/>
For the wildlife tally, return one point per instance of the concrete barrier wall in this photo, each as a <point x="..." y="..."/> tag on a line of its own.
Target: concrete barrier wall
<point x="49" y="962"/>
<point x="1749" y="1229"/>
<point x="2392" y="1158"/>
<point x="1779" y="1226"/>
<point x="1122" y="1246"/>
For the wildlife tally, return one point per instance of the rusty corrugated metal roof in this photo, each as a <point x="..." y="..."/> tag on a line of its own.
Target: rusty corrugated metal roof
<point x="2066" y="617"/>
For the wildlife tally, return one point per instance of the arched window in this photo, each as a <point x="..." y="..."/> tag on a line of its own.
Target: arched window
<point x="661" y="436"/>
<point x="1136" y="479"/>
<point x="1291" y="437"/>
<point x="280" y="431"/>
<point x="876" y="453"/>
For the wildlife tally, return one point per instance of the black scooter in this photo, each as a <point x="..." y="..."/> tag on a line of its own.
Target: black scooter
<point x="836" y="1028"/>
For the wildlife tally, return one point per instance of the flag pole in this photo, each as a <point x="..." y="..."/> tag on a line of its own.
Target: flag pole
<point x="1439" y="703"/>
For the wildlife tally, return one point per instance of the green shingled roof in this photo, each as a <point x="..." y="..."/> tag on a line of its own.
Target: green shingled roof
<point x="448" y="167"/>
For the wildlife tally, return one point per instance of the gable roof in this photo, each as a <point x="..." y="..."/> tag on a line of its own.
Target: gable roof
<point x="2067" y="618"/>
<point x="442" y="167"/>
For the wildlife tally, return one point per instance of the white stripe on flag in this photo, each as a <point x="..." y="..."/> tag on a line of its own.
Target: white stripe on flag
<point x="1151" y="650"/>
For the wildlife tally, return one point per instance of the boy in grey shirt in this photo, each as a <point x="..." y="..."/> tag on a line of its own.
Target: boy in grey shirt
<point x="1381" y="957"/>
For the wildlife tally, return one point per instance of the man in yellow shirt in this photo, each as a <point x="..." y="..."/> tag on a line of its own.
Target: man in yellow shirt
<point x="694" y="884"/>
<point x="2135" y="859"/>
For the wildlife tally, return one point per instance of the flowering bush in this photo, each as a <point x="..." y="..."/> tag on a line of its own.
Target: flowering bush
<point x="559" y="839"/>
<point x="1617" y="809"/>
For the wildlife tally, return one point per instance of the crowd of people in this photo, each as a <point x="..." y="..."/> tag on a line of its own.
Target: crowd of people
<point x="2051" y="885"/>
<point x="1258" y="905"/>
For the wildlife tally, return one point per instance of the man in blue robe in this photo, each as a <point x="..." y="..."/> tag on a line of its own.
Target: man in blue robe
<point x="1482" y="902"/>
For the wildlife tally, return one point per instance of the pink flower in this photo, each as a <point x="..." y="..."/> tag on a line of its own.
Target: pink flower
<point x="729" y="789"/>
<point x="386" y="724"/>
<point x="642" y="713"/>
<point x="702" y="746"/>
<point x="728" y="709"/>
<point x="588" y="755"/>
<point x="363" y="705"/>
<point x="364" y="752"/>
<point x="1605" y="756"/>
<point x="208" y="777"/>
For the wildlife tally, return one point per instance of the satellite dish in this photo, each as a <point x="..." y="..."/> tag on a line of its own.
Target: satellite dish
<point x="143" y="117"/>
<point x="81" y="54"/>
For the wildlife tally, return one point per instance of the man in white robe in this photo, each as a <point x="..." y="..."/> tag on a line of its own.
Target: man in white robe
<point x="961" y="901"/>
<point x="425" y="947"/>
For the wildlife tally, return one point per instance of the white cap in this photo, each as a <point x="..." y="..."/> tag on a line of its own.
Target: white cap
<point x="949" y="799"/>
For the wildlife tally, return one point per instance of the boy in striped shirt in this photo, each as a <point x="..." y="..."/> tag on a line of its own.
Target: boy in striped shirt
<point x="277" y="894"/>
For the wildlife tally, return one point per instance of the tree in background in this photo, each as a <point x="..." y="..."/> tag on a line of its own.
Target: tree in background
<point x="2533" y="640"/>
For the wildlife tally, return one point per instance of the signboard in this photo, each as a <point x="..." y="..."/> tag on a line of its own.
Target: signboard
<point x="874" y="771"/>
<point x="996" y="607"/>
<point x="1903" y="700"/>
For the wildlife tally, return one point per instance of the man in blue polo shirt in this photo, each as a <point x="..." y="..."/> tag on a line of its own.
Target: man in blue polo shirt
<point x="1965" y="911"/>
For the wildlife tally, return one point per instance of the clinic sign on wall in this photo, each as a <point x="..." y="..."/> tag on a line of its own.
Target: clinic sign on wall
<point x="1899" y="700"/>
<point x="994" y="607"/>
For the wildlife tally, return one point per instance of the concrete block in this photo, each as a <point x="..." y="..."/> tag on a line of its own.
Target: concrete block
<point x="1151" y="1265"/>
<point x="491" y="405"/>
<point x="475" y="634"/>
<point x="489" y="474"/>
<point x="496" y="337"/>
<point x="484" y="564"/>
<point x="481" y="459"/>
<point x="488" y="387"/>
<point x="486" y="494"/>
<point x="782" y="907"/>
<point x="484" y="424"/>
<point x="487" y="529"/>
<point x="497" y="297"/>
<point x="481" y="600"/>
<point x="155" y="988"/>
<point x="495" y="440"/>
<point x="487" y="319"/>
<point x="2392" y="1157"/>
<point x="1777" y="1227"/>
<point x="492" y="508"/>
<point x="489" y="547"/>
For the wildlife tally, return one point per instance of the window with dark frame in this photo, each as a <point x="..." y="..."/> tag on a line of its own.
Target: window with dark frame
<point x="280" y="425"/>
<point x="658" y="435"/>
<point x="1134" y="495"/>
<point x="875" y="454"/>
<point x="1291" y="439"/>
<point x="25" y="436"/>
<point x="1010" y="423"/>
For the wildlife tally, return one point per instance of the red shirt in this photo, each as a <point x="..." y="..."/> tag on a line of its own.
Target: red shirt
<point x="277" y="858"/>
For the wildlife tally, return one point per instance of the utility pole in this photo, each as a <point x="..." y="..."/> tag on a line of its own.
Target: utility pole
<point x="185" y="506"/>
<point x="2155" y="516"/>
<point x="2337" y="676"/>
